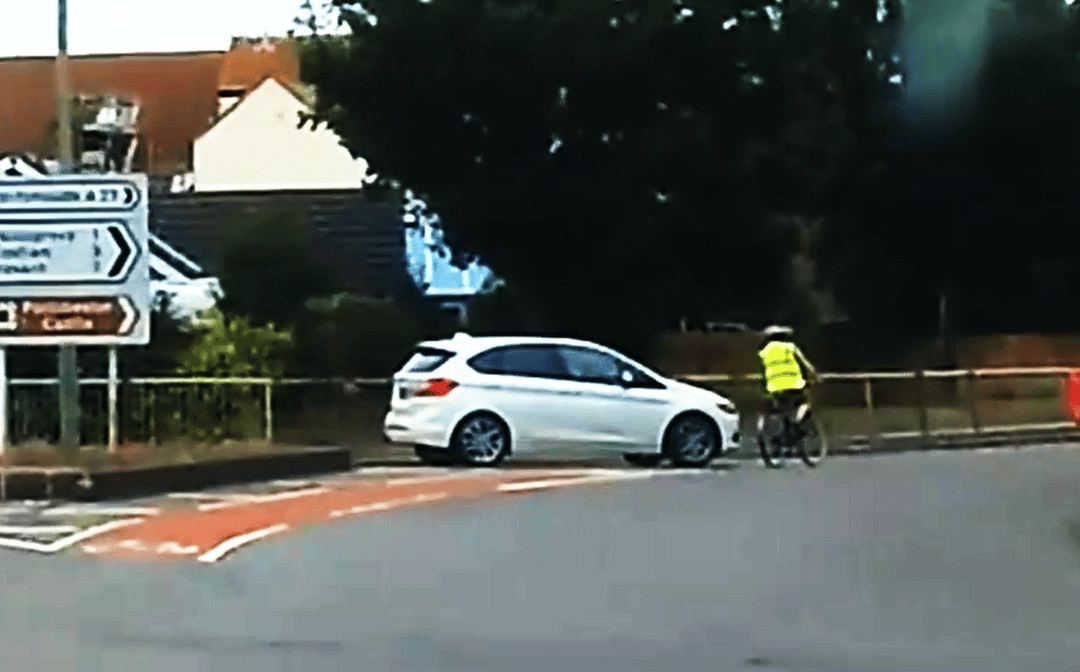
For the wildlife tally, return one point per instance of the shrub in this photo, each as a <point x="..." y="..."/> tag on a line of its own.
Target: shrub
<point x="223" y="347"/>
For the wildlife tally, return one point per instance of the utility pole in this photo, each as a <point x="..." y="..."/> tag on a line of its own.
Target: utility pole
<point x="67" y="364"/>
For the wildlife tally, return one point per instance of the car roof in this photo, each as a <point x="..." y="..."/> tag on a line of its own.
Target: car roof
<point x="465" y="344"/>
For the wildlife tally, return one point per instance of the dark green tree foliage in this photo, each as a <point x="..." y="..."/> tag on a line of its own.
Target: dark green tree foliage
<point x="267" y="269"/>
<point x="619" y="162"/>
<point x="976" y="198"/>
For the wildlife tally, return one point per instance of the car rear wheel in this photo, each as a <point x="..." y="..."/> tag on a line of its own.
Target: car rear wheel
<point x="480" y="440"/>
<point x="692" y="440"/>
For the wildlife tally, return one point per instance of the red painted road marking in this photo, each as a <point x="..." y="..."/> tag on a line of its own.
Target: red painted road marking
<point x="209" y="532"/>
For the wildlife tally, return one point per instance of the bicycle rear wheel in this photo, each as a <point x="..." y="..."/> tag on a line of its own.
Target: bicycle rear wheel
<point x="770" y="445"/>
<point x="814" y="446"/>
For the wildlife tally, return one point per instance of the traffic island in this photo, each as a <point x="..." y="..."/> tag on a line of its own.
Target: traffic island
<point x="95" y="475"/>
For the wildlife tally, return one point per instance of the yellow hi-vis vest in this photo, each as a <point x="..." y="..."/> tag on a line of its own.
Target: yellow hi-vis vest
<point x="782" y="370"/>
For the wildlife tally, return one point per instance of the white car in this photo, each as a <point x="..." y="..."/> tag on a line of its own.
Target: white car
<point x="476" y="400"/>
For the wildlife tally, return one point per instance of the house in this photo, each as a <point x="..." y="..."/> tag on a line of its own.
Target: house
<point x="168" y="99"/>
<point x="222" y="123"/>
<point x="176" y="95"/>
<point x="257" y="145"/>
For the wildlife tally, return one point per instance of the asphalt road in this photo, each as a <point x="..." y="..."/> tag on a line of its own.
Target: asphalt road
<point x="954" y="562"/>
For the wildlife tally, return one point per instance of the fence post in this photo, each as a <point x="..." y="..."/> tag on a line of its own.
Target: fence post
<point x="924" y="419"/>
<point x="973" y="401"/>
<point x="868" y="396"/>
<point x="268" y="403"/>
<point x="151" y="392"/>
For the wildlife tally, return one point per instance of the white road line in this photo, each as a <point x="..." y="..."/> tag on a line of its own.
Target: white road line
<point x="229" y="545"/>
<point x="389" y="504"/>
<point x="291" y="483"/>
<point x="262" y="499"/>
<point x="580" y="480"/>
<point x="75" y="510"/>
<point x="375" y="471"/>
<point x="21" y="545"/>
<point x="196" y="495"/>
<point x="61" y="544"/>
<point x="415" y="480"/>
<point x="38" y="529"/>
<point x="174" y="548"/>
<point x="94" y="531"/>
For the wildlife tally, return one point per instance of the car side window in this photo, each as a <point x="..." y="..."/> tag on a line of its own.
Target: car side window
<point x="535" y="361"/>
<point x="592" y="366"/>
<point x="488" y="362"/>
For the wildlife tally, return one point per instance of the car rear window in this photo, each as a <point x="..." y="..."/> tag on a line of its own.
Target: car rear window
<point x="426" y="360"/>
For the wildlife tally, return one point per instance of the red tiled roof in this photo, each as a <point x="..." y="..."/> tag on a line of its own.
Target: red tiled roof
<point x="249" y="62"/>
<point x="176" y="93"/>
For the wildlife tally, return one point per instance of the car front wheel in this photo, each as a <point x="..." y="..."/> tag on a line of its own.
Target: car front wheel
<point x="692" y="440"/>
<point x="480" y="440"/>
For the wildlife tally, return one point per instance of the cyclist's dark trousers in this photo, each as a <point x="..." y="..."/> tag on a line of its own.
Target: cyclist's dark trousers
<point x="789" y="400"/>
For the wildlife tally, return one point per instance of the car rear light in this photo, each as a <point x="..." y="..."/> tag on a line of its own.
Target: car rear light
<point x="436" y="387"/>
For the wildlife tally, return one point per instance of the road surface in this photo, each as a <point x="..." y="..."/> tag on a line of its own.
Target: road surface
<point x="955" y="561"/>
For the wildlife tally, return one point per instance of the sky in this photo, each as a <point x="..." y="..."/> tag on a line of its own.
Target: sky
<point x="127" y="26"/>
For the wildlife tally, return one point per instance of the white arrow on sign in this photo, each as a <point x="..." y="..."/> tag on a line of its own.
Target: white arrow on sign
<point x="130" y="315"/>
<point x="68" y="195"/>
<point x="49" y="252"/>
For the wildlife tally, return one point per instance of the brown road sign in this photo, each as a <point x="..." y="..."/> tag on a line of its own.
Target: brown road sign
<point x="65" y="315"/>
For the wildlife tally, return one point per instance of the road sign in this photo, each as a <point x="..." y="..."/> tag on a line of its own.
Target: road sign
<point x="74" y="260"/>
<point x="64" y="316"/>
<point x="68" y="195"/>
<point x="90" y="252"/>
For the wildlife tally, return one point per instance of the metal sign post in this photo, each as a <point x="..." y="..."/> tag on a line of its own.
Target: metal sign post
<point x="67" y="367"/>
<point x="114" y="382"/>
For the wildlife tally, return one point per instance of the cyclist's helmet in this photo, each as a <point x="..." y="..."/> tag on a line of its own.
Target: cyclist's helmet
<point x="778" y="332"/>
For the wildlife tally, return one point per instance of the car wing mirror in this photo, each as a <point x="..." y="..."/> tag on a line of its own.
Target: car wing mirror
<point x="626" y="378"/>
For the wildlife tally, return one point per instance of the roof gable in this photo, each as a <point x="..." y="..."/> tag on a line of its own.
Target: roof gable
<point x="176" y="94"/>
<point x="268" y="81"/>
<point x="249" y="62"/>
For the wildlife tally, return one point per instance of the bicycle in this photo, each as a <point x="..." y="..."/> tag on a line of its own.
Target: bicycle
<point x="780" y="437"/>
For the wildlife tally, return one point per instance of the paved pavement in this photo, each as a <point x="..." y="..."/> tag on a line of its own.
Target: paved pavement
<point x="957" y="561"/>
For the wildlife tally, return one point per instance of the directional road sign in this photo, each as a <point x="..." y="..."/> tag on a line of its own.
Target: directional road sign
<point x="74" y="260"/>
<point x="92" y="252"/>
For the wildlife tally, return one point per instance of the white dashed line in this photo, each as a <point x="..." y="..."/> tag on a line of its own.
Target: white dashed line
<point x="38" y="529"/>
<point x="195" y="495"/>
<point x="239" y="500"/>
<point x="92" y="510"/>
<point x="93" y="532"/>
<point x="389" y="504"/>
<point x="580" y="480"/>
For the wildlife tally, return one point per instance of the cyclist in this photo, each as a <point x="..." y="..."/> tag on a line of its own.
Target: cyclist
<point x="786" y="371"/>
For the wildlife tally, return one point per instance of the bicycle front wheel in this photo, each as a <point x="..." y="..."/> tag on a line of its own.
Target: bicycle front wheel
<point x="769" y="444"/>
<point x="814" y="445"/>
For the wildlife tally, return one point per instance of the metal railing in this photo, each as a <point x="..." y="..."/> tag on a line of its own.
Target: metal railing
<point x="856" y="408"/>
<point x="927" y="405"/>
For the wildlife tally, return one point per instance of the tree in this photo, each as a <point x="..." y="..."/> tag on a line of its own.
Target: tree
<point x="977" y="180"/>
<point x="267" y="270"/>
<point x="619" y="162"/>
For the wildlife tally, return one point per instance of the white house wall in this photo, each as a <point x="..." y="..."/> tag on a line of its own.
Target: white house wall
<point x="258" y="147"/>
